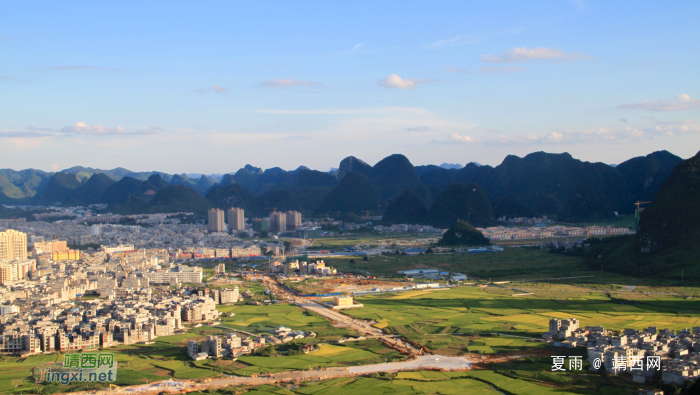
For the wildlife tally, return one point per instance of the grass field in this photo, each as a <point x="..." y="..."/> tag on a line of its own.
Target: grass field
<point x="524" y="377"/>
<point x="327" y="356"/>
<point x="433" y="317"/>
<point x="514" y="264"/>
<point x="138" y="363"/>
<point x="167" y="357"/>
<point x="265" y="318"/>
<point x="424" y="382"/>
<point x="350" y="240"/>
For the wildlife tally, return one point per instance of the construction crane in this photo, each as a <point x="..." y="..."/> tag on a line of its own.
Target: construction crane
<point x="640" y="203"/>
<point x="366" y="213"/>
<point x="637" y="214"/>
<point x="270" y="208"/>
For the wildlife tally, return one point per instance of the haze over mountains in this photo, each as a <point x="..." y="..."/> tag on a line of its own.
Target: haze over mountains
<point x="555" y="185"/>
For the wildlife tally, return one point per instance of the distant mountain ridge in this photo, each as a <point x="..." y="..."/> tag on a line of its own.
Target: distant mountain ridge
<point x="556" y="185"/>
<point x="665" y="245"/>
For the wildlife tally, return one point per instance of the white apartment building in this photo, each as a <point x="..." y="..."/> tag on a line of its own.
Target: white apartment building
<point x="13" y="245"/>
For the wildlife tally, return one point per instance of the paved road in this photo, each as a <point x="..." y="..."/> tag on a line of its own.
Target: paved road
<point x="361" y="326"/>
<point x="420" y="362"/>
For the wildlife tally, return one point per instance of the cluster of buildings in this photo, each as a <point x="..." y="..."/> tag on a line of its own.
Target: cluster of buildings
<point x="433" y="274"/>
<point x="537" y="232"/>
<point x="525" y="220"/>
<point x="279" y="221"/>
<point x="137" y="316"/>
<point x="302" y="268"/>
<point x="640" y="353"/>
<point x="231" y="345"/>
<point x="162" y="231"/>
<point x="403" y="228"/>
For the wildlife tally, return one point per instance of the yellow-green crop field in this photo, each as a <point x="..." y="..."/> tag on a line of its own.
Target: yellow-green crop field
<point x="424" y="316"/>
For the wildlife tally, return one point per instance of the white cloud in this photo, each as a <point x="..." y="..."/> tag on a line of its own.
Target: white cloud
<point x="288" y="83"/>
<point x="471" y="39"/>
<point x="501" y="70"/>
<point x="619" y="135"/>
<point x="672" y="128"/>
<point x="682" y="102"/>
<point x="459" y="139"/>
<point x="214" y="88"/>
<point x="81" y="128"/>
<point x="456" y="70"/>
<point x="394" y="81"/>
<point x="540" y="53"/>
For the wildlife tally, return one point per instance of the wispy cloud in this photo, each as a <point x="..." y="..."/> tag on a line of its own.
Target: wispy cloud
<point x="310" y="112"/>
<point x="353" y="49"/>
<point x="602" y="134"/>
<point x="501" y="70"/>
<point x="81" y="128"/>
<point x="418" y="129"/>
<point x="540" y="53"/>
<point x="681" y="103"/>
<point x="394" y="81"/>
<point x="21" y="134"/>
<point x="470" y="39"/>
<point x="290" y="83"/>
<point x="5" y="77"/>
<point x="580" y="4"/>
<point x="399" y="111"/>
<point x="457" y="70"/>
<point x="66" y="68"/>
<point x="672" y="128"/>
<point x="214" y="88"/>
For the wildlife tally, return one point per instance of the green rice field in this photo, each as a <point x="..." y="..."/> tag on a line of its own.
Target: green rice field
<point x="464" y="318"/>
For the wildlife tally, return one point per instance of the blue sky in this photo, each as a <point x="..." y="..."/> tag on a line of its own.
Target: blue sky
<point x="207" y="88"/>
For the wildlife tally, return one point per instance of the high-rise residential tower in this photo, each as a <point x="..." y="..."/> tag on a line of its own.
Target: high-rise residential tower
<point x="293" y="220"/>
<point x="236" y="220"/>
<point x="278" y="221"/>
<point x="13" y="245"/>
<point x="216" y="220"/>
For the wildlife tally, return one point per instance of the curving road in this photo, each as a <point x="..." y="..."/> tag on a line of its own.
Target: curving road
<point x="420" y="362"/>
